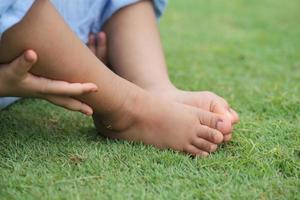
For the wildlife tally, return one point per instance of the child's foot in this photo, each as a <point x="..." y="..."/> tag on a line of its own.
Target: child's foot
<point x="204" y="100"/>
<point x="165" y="124"/>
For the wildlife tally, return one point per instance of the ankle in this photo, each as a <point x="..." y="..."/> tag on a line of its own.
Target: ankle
<point x="125" y="114"/>
<point x="160" y="87"/>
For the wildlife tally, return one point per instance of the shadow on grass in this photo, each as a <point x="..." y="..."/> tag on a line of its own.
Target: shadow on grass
<point x="34" y="120"/>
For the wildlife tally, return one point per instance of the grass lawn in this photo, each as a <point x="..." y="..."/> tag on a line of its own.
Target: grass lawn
<point x="246" y="51"/>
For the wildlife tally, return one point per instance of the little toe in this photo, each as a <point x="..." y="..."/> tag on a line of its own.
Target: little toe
<point x="227" y="137"/>
<point x="193" y="150"/>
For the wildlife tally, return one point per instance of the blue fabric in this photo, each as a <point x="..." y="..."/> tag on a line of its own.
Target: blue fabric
<point x="6" y="101"/>
<point x="83" y="16"/>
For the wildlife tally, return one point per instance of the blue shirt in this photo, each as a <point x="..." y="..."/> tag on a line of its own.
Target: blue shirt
<point x="83" y="16"/>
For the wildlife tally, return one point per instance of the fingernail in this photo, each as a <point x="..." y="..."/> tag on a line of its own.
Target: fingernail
<point x="95" y="89"/>
<point x="88" y="111"/>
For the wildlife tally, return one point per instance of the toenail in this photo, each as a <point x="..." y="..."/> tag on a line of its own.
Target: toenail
<point x="213" y="148"/>
<point x="216" y="137"/>
<point x="229" y="109"/>
<point x="205" y="154"/>
<point x="219" y="124"/>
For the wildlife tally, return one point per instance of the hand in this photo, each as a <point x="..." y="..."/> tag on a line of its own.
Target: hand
<point x="15" y="80"/>
<point x="98" y="45"/>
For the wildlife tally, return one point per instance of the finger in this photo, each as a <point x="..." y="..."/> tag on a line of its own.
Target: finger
<point x="102" y="47"/>
<point x="23" y="63"/>
<point x="71" y="104"/>
<point x="52" y="87"/>
<point x="92" y="43"/>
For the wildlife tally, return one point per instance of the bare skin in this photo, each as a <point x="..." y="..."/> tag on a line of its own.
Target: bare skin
<point x="135" y="53"/>
<point x="98" y="45"/>
<point x="124" y="110"/>
<point x="204" y="100"/>
<point x="15" y="80"/>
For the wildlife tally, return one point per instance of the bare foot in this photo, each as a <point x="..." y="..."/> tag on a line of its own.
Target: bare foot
<point x="204" y="100"/>
<point x="166" y="124"/>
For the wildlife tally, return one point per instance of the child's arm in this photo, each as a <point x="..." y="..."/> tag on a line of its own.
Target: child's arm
<point x="62" y="56"/>
<point x="127" y="111"/>
<point x="16" y="81"/>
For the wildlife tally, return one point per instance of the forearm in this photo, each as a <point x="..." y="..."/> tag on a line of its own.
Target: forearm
<point x="135" y="50"/>
<point x="61" y="56"/>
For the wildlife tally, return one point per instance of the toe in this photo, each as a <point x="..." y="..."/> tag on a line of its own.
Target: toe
<point x="193" y="150"/>
<point x="204" y="145"/>
<point x="227" y="137"/>
<point x="224" y="125"/>
<point x="209" y="134"/>
<point x="236" y="118"/>
<point x="220" y="105"/>
<point x="215" y="121"/>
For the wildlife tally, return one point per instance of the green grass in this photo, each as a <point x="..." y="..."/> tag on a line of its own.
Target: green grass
<point x="246" y="51"/>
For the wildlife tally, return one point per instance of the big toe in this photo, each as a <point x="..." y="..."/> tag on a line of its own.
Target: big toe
<point x="235" y="115"/>
<point x="224" y="125"/>
<point x="215" y="121"/>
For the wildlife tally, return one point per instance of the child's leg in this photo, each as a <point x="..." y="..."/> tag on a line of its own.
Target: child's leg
<point x="126" y="110"/>
<point x="134" y="47"/>
<point x="135" y="53"/>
